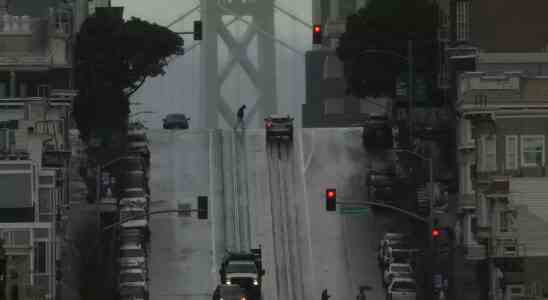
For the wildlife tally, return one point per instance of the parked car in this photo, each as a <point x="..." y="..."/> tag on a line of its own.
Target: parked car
<point x="397" y="255"/>
<point x="402" y="288"/>
<point x="138" y="202"/>
<point x="132" y="277"/>
<point x="279" y="126"/>
<point x="176" y="121"/>
<point x="132" y="255"/>
<point x="133" y="193"/>
<point x="394" y="244"/>
<point x="397" y="270"/>
<point x="133" y="293"/>
<point x="134" y="179"/>
<point x="133" y="235"/>
<point x="137" y="215"/>
<point x="390" y="237"/>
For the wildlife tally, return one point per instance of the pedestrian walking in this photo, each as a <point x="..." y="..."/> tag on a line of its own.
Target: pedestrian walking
<point x="325" y="295"/>
<point x="240" y="116"/>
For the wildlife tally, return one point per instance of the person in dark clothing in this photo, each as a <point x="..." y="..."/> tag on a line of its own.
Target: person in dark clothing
<point x="240" y="116"/>
<point x="325" y="295"/>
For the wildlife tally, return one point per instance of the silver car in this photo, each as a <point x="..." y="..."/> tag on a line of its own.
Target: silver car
<point x="132" y="255"/>
<point x="133" y="277"/>
<point x="136" y="217"/>
<point x="402" y="288"/>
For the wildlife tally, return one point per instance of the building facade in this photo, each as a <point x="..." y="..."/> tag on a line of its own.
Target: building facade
<point x="502" y="168"/>
<point x="35" y="118"/>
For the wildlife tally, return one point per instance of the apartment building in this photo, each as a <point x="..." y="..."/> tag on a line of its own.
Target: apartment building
<point x="35" y="105"/>
<point x="502" y="167"/>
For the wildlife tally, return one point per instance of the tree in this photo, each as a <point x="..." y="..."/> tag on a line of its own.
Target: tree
<point x="388" y="25"/>
<point x="113" y="58"/>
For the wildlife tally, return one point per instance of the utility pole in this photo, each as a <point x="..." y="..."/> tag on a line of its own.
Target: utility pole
<point x="410" y="88"/>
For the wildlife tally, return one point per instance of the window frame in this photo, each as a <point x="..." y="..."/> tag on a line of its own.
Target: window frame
<point x="485" y="154"/>
<point x="46" y="257"/>
<point x="515" y="147"/>
<point x="524" y="163"/>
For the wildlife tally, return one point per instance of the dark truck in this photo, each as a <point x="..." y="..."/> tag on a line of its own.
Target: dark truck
<point x="229" y="292"/>
<point x="243" y="269"/>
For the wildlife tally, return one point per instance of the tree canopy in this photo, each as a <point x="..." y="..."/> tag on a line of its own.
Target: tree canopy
<point x="113" y="58"/>
<point x="387" y="25"/>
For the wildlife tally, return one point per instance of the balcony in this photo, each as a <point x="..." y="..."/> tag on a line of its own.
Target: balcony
<point x="498" y="186"/>
<point x="467" y="146"/>
<point x="475" y="252"/>
<point x="467" y="201"/>
<point x="509" y="247"/>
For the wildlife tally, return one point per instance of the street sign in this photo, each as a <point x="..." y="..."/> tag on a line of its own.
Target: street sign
<point x="354" y="210"/>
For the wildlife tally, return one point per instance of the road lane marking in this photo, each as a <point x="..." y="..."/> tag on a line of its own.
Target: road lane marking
<point x="212" y="201"/>
<point x="307" y="210"/>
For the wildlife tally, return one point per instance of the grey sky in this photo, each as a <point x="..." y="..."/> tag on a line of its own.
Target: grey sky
<point x="179" y="90"/>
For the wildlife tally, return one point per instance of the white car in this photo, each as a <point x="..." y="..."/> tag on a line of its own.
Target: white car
<point x="390" y="237"/>
<point x="402" y="288"/>
<point x="134" y="277"/>
<point x="136" y="217"/>
<point x="397" y="255"/>
<point x="132" y="255"/>
<point x="397" y="270"/>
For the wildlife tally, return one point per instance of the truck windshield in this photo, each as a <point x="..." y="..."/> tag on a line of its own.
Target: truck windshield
<point x="241" y="267"/>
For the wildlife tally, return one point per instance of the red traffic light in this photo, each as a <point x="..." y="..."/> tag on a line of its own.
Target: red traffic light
<point x="331" y="199"/>
<point x="317" y="34"/>
<point x="435" y="232"/>
<point x="268" y="124"/>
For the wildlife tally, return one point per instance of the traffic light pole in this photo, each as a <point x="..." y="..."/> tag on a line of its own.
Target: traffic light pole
<point x="369" y="203"/>
<point x="164" y="211"/>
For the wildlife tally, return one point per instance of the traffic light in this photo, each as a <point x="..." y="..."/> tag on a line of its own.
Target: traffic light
<point x="331" y="199"/>
<point x="317" y="34"/>
<point x="202" y="207"/>
<point x="197" y="30"/>
<point x="436" y="232"/>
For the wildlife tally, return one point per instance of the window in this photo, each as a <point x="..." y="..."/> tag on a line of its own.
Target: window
<point x="466" y="131"/>
<point x="488" y="153"/>
<point x="42" y="90"/>
<point x="463" y="24"/>
<point x="333" y="106"/>
<point x="40" y="257"/>
<point x="506" y="221"/>
<point x="532" y="150"/>
<point x="511" y="152"/>
<point x="503" y="222"/>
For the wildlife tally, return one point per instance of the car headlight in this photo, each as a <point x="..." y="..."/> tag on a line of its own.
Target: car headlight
<point x="228" y="282"/>
<point x="255" y="282"/>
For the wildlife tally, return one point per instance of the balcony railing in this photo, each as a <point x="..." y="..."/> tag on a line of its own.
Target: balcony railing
<point x="508" y="247"/>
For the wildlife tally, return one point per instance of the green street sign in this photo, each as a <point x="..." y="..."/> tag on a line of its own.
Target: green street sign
<point x="423" y="88"/>
<point x="354" y="210"/>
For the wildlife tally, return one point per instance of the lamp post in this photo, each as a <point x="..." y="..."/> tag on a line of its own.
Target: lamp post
<point x="430" y="210"/>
